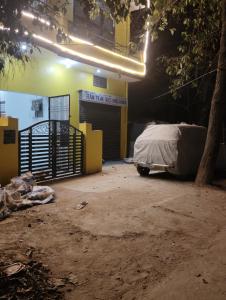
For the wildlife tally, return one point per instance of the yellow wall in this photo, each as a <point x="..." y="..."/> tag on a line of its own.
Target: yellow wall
<point x="8" y="152"/>
<point x="124" y="127"/>
<point x="122" y="36"/>
<point x="93" y="148"/>
<point x="45" y="76"/>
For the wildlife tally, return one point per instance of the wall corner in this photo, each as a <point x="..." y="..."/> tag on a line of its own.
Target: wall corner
<point x="93" y="140"/>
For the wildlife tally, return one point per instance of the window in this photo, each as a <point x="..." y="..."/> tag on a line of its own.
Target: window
<point x="37" y="107"/>
<point x="100" y="82"/>
<point x="100" y="30"/>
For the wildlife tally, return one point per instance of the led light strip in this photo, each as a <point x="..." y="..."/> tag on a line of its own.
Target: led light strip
<point x="119" y="55"/>
<point x="4" y="28"/>
<point x="88" y="57"/>
<point x="31" y="16"/>
<point x="97" y="60"/>
<point x="146" y="41"/>
<point x="81" y="41"/>
<point x="78" y="40"/>
<point x="147" y="37"/>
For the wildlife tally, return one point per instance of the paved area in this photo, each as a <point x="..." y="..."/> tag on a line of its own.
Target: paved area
<point x="138" y="238"/>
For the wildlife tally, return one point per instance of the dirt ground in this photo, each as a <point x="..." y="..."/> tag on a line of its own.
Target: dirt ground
<point x="138" y="238"/>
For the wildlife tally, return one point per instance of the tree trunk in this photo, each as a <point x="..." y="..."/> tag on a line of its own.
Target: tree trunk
<point x="207" y="166"/>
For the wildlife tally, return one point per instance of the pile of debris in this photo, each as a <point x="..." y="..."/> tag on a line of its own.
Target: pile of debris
<point x="21" y="193"/>
<point x="31" y="282"/>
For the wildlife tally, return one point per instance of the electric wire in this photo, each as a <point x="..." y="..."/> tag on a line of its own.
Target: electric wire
<point x="184" y="85"/>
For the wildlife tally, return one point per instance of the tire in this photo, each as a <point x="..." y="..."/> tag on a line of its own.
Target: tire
<point x="143" y="171"/>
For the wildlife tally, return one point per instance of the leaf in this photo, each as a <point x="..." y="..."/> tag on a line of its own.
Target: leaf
<point x="172" y="31"/>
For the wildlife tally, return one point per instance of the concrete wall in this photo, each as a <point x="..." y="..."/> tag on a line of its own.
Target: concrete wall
<point x="93" y="148"/>
<point x="18" y="105"/>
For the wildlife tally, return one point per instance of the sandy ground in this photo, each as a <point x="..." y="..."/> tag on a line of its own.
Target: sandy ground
<point x="138" y="238"/>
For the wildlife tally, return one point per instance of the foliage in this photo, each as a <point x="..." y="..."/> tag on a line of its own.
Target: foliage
<point x="13" y="33"/>
<point x="117" y="9"/>
<point x="198" y="24"/>
<point x="195" y="24"/>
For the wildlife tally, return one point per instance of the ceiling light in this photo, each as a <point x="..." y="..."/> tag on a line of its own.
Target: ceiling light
<point x="68" y="63"/>
<point x="23" y="47"/>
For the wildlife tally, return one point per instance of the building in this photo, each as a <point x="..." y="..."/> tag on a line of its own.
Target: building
<point x="85" y="80"/>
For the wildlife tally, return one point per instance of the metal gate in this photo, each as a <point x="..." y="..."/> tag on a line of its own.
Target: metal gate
<point x="51" y="149"/>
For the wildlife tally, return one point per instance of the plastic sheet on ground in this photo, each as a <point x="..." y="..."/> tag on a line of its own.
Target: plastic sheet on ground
<point x="22" y="193"/>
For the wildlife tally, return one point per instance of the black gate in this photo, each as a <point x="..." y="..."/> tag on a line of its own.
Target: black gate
<point x="50" y="150"/>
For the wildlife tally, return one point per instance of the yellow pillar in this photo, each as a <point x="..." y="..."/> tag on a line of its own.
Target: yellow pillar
<point x="124" y="125"/>
<point x="93" y="148"/>
<point x="123" y="136"/>
<point x="8" y="149"/>
<point x="122" y="36"/>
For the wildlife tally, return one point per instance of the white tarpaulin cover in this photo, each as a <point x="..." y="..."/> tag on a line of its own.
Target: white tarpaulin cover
<point x="21" y="193"/>
<point x="178" y="146"/>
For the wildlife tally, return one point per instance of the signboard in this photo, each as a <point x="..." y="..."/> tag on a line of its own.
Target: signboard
<point x="102" y="98"/>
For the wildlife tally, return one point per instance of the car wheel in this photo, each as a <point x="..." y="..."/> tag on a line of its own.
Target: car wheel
<point x="143" y="171"/>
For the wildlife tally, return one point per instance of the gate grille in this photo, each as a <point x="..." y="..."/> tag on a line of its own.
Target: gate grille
<point x="50" y="150"/>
